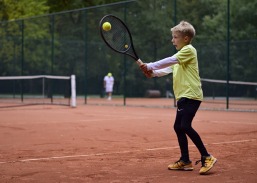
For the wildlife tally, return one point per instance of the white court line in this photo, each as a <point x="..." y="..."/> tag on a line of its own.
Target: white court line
<point x="236" y="122"/>
<point x="119" y="152"/>
<point x="252" y="122"/>
<point x="111" y="119"/>
<point x="232" y="142"/>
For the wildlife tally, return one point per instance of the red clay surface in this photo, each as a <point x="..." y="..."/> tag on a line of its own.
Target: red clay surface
<point x="116" y="144"/>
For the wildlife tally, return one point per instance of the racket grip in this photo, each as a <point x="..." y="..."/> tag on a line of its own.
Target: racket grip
<point x="139" y="62"/>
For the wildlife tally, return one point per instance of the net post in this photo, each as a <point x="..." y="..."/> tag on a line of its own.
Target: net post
<point x="73" y="91"/>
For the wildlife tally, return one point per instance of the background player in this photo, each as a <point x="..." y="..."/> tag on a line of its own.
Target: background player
<point x="108" y="85"/>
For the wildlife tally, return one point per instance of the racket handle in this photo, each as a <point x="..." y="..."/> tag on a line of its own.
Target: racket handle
<point x="139" y="62"/>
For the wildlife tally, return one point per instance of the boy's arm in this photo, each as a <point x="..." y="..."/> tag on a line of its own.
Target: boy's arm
<point x="151" y="69"/>
<point x="156" y="73"/>
<point x="162" y="72"/>
<point x="166" y="62"/>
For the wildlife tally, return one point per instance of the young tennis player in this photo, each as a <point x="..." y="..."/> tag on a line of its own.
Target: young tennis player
<point x="188" y="93"/>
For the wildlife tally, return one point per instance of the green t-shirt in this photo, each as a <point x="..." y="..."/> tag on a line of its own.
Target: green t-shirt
<point x="186" y="79"/>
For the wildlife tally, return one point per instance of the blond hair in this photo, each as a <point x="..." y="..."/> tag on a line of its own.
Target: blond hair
<point x="185" y="28"/>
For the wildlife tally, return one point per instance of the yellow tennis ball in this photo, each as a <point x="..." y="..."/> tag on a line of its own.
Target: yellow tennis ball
<point x="126" y="46"/>
<point x="107" y="26"/>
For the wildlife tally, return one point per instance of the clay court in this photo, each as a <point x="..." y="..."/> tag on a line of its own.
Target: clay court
<point x="113" y="143"/>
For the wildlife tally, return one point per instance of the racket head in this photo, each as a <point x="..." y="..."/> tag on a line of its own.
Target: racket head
<point x="118" y="37"/>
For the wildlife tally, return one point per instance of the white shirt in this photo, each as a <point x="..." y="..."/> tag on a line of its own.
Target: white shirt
<point x="162" y="67"/>
<point x="109" y="82"/>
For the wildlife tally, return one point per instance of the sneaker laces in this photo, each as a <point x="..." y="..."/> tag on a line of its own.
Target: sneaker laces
<point x="201" y="160"/>
<point x="178" y="162"/>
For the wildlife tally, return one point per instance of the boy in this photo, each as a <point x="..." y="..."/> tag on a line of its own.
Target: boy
<point x="188" y="93"/>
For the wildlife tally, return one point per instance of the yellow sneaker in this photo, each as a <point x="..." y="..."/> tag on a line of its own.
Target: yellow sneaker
<point x="181" y="165"/>
<point x="207" y="164"/>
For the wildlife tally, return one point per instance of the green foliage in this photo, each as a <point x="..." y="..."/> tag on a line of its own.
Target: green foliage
<point x="12" y="31"/>
<point x="17" y="9"/>
<point x="243" y="21"/>
<point x="68" y="42"/>
<point x="65" y="5"/>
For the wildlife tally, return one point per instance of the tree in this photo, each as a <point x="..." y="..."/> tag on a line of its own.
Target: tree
<point x="14" y="9"/>
<point x="70" y="34"/>
<point x="65" y="5"/>
<point x="11" y="31"/>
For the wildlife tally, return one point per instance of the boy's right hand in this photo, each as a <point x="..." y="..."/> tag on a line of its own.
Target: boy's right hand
<point x="147" y="73"/>
<point x="143" y="67"/>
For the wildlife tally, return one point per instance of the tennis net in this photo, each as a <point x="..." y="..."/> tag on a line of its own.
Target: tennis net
<point x="218" y="95"/>
<point x="233" y="95"/>
<point x="39" y="89"/>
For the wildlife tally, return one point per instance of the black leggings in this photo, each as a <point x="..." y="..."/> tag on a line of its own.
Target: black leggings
<point x="186" y="111"/>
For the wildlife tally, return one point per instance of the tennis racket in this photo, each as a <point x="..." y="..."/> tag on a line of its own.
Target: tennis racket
<point x="118" y="37"/>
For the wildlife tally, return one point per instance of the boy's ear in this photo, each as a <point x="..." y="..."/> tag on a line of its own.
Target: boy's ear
<point x="187" y="39"/>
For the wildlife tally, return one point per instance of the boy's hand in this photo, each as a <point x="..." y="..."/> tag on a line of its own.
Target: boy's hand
<point x="143" y="67"/>
<point x="147" y="73"/>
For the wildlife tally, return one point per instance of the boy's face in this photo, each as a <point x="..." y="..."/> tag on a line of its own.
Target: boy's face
<point x="179" y="41"/>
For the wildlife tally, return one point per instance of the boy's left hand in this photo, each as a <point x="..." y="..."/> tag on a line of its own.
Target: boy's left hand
<point x="147" y="73"/>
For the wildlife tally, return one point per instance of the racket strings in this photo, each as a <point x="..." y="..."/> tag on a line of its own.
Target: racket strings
<point x="118" y="37"/>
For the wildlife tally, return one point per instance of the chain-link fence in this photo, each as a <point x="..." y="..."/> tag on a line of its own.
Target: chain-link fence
<point x="69" y="43"/>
